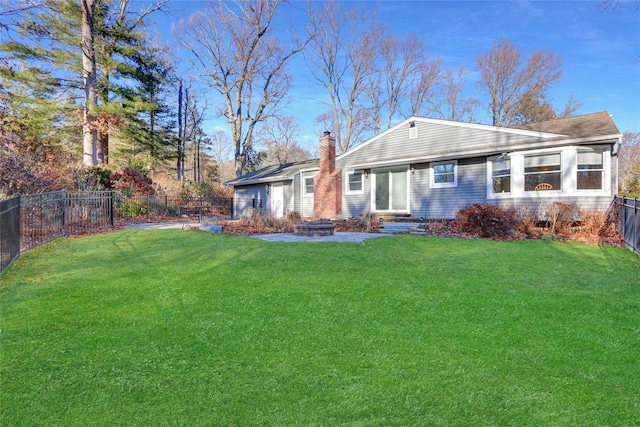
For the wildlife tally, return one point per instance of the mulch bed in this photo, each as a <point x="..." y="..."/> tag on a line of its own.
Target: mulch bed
<point x="248" y="227"/>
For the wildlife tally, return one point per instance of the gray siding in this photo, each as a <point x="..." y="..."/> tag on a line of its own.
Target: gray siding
<point x="306" y="202"/>
<point x="297" y="206"/>
<point x="444" y="203"/>
<point x="246" y="197"/>
<point x="355" y="204"/>
<point x="288" y="197"/>
<point x="433" y="139"/>
<point x="539" y="207"/>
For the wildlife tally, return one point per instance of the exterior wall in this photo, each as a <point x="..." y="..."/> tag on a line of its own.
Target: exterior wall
<point x="444" y="203"/>
<point x="439" y="138"/>
<point x="249" y="197"/>
<point x="288" y="197"/>
<point x="540" y="207"/>
<point x="355" y="204"/>
<point x="305" y="200"/>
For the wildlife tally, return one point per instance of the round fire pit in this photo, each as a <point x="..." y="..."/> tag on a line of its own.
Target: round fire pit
<point x="314" y="228"/>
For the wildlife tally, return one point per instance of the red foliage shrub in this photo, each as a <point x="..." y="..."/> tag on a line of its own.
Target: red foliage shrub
<point x="487" y="221"/>
<point x="35" y="167"/>
<point x="131" y="181"/>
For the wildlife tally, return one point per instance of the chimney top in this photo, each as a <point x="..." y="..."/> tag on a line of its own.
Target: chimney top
<point x="327" y="133"/>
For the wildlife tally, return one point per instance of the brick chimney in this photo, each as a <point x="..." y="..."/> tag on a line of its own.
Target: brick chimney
<point x="327" y="184"/>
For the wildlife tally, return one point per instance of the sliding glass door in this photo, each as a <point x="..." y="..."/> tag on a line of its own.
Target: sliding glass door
<point x="391" y="191"/>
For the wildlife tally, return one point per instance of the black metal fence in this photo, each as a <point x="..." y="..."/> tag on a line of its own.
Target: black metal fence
<point x="9" y="231"/>
<point x="629" y="221"/>
<point x="141" y="205"/>
<point x="28" y="221"/>
<point x="47" y="216"/>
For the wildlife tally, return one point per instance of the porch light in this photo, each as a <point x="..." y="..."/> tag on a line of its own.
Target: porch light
<point x="413" y="170"/>
<point x="267" y="189"/>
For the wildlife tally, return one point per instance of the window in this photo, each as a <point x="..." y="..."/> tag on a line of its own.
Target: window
<point x="543" y="172"/>
<point x="444" y="174"/>
<point x="413" y="131"/>
<point x="501" y="175"/>
<point x="354" y="182"/>
<point x="308" y="186"/>
<point x="590" y="170"/>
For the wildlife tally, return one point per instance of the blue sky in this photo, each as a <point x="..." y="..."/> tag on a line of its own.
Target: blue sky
<point x="600" y="50"/>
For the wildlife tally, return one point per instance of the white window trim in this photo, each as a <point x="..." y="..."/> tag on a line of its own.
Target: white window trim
<point x="563" y="169"/>
<point x="606" y="171"/>
<point x="444" y="184"/>
<point x="569" y="169"/>
<point x="490" y="193"/>
<point x="304" y="186"/>
<point x="348" y="188"/>
<point x="372" y="177"/>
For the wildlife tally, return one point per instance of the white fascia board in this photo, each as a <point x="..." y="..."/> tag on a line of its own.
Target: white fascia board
<point x="306" y="170"/>
<point x="261" y="180"/>
<point x="487" y="151"/>
<point x="476" y="126"/>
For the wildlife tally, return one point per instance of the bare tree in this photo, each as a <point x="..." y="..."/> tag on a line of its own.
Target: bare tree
<point x="505" y="77"/>
<point x="629" y="163"/>
<point x="407" y="73"/>
<point x="341" y="59"/>
<point x="424" y="88"/>
<point x="221" y="150"/>
<point x="530" y="109"/>
<point x="234" y="46"/>
<point x="279" y="137"/>
<point x="449" y="104"/>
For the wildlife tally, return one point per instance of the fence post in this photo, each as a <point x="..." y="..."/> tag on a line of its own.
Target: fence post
<point x="635" y="224"/>
<point x="19" y="225"/>
<point x="111" y="207"/>
<point x="64" y="212"/>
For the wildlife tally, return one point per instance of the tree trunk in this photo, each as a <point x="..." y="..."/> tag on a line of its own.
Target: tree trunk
<point x="89" y="132"/>
<point x="180" y="162"/>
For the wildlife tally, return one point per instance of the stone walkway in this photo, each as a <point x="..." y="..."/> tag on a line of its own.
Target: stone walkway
<point x="389" y="229"/>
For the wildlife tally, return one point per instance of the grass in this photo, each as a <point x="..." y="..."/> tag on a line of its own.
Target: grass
<point x="146" y="327"/>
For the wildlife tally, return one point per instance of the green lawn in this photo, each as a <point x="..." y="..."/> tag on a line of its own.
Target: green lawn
<point x="165" y="327"/>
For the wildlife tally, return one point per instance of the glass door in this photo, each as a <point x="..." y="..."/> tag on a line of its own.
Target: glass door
<point x="391" y="191"/>
<point x="382" y="191"/>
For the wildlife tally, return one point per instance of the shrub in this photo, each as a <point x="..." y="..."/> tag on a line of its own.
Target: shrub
<point x="487" y="221"/>
<point x="132" y="209"/>
<point x="369" y="220"/>
<point x="561" y="217"/>
<point x="131" y="181"/>
<point x="293" y="218"/>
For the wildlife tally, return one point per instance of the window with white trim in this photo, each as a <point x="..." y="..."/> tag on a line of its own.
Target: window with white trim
<point x="501" y="175"/>
<point x="354" y="182"/>
<point x="543" y="172"/>
<point x="308" y="186"/>
<point x="590" y="170"/>
<point x="444" y="174"/>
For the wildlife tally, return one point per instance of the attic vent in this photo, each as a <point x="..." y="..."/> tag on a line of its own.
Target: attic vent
<point x="413" y="131"/>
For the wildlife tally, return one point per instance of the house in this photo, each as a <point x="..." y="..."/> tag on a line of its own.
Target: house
<point x="432" y="168"/>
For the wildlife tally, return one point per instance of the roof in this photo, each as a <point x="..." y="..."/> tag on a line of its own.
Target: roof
<point x="274" y="173"/>
<point x="595" y="124"/>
